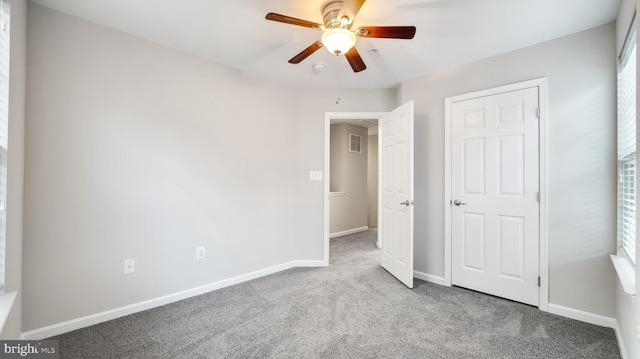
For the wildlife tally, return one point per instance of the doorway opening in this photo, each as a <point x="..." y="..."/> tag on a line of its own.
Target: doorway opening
<point x="341" y="189"/>
<point x="395" y="189"/>
<point x="353" y="179"/>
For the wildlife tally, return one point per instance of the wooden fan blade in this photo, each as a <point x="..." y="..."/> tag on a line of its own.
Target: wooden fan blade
<point x="355" y="60"/>
<point x="306" y="53"/>
<point x="292" y="20"/>
<point x="350" y="9"/>
<point x="387" y="32"/>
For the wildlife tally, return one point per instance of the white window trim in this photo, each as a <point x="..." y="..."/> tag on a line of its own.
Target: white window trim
<point x="626" y="273"/>
<point x="4" y="108"/>
<point x="6" y="303"/>
<point x="622" y="262"/>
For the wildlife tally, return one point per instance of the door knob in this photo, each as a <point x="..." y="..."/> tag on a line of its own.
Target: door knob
<point x="458" y="203"/>
<point x="407" y="203"/>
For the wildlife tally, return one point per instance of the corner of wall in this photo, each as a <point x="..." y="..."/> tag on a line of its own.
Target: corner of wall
<point x="17" y="94"/>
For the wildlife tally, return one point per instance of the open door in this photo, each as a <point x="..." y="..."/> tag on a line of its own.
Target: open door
<point x="396" y="185"/>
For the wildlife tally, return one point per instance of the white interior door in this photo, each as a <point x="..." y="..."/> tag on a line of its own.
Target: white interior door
<point x="396" y="183"/>
<point x="495" y="194"/>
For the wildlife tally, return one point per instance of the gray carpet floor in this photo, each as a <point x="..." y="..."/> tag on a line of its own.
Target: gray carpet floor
<point x="351" y="309"/>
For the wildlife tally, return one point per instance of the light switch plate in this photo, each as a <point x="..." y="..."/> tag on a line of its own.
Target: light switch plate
<point x="315" y="175"/>
<point x="200" y="253"/>
<point x="129" y="266"/>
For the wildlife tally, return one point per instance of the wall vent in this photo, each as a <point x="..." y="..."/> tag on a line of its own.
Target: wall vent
<point x="355" y="143"/>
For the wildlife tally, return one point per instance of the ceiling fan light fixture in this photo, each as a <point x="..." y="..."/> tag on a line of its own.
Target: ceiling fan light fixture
<point x="337" y="19"/>
<point x="338" y="41"/>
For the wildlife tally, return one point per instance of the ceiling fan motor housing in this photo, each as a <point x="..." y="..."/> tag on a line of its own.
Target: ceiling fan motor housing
<point x="330" y="16"/>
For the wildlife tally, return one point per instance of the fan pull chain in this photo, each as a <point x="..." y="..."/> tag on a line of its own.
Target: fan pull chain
<point x="338" y="89"/>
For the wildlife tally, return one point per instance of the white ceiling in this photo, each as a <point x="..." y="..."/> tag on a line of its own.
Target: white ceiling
<point x="449" y="32"/>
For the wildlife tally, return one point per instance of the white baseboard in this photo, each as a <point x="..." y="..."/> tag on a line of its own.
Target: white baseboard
<point x="349" y="231"/>
<point x="583" y="316"/>
<point x="308" y="264"/>
<point x="78" y="323"/>
<point x="592" y="318"/>
<point x="429" y="278"/>
<point x="623" y="349"/>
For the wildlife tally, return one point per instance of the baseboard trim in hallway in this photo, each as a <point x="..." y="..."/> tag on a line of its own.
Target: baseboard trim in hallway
<point x="347" y="232"/>
<point x="428" y="277"/>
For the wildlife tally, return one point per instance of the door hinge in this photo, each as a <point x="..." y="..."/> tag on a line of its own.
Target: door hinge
<point x="538" y="197"/>
<point x="538" y="112"/>
<point x="538" y="281"/>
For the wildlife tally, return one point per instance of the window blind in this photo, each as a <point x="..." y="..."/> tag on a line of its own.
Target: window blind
<point x="627" y="147"/>
<point x="628" y="207"/>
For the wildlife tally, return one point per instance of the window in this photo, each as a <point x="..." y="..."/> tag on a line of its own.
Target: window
<point x="627" y="148"/>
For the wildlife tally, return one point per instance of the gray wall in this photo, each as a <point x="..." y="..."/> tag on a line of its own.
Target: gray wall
<point x="137" y="150"/>
<point x="581" y="166"/>
<point x="348" y="175"/>
<point x="13" y="262"/>
<point x="134" y="150"/>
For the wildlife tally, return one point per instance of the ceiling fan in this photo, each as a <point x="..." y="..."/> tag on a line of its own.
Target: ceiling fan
<point x="337" y="36"/>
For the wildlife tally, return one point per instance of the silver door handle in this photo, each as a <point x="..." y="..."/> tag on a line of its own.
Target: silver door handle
<point x="407" y="203"/>
<point x="458" y="203"/>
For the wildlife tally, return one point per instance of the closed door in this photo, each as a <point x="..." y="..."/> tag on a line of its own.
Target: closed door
<point x="396" y="217"/>
<point x="495" y="194"/>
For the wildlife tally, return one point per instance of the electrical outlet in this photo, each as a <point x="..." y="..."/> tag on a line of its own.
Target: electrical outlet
<point x="129" y="266"/>
<point x="199" y="253"/>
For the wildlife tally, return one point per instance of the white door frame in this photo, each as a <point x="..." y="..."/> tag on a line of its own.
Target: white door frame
<point x="328" y="116"/>
<point x="542" y="85"/>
